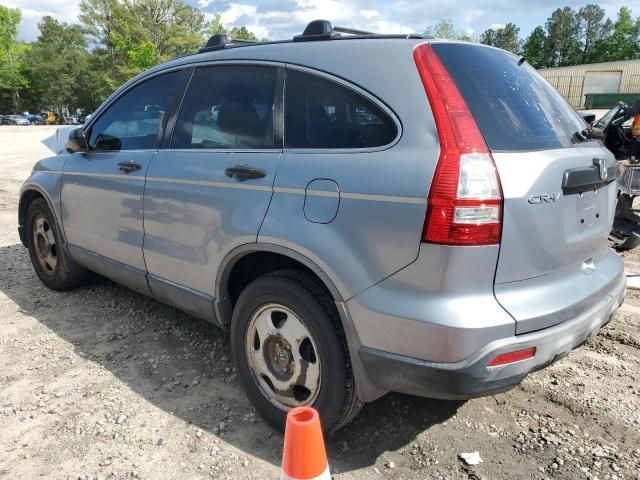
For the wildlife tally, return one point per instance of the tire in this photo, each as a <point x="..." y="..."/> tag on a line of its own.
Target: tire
<point x="287" y="298"/>
<point x="51" y="262"/>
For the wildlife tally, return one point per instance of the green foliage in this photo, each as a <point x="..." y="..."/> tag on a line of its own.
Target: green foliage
<point x="242" y="34"/>
<point x="133" y="35"/>
<point x="562" y="43"/>
<point x="624" y="41"/>
<point x="215" y="26"/>
<point x="446" y="29"/>
<point x="57" y="63"/>
<point x="593" y="28"/>
<point x="12" y="66"/>
<point x="585" y="36"/>
<point x="506" y="38"/>
<point x="77" y="66"/>
<point x="533" y="49"/>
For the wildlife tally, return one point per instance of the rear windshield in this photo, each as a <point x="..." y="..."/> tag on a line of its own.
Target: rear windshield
<point x="515" y="108"/>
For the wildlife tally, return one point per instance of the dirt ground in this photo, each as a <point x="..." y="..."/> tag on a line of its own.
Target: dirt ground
<point x="101" y="382"/>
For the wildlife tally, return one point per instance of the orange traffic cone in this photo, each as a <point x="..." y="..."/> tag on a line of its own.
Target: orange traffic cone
<point x="304" y="456"/>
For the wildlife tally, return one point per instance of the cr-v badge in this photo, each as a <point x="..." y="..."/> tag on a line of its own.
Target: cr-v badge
<point x="544" y="198"/>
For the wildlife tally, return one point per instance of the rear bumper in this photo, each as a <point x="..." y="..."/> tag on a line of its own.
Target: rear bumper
<point x="471" y="377"/>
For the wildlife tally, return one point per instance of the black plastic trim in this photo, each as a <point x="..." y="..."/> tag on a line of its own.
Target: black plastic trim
<point x="581" y="179"/>
<point x="278" y="110"/>
<point x="398" y="373"/>
<point x="174" y="107"/>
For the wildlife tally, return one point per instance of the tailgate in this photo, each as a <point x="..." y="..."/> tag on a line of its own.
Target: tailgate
<point x="559" y="189"/>
<point x="554" y="260"/>
<point x="548" y="225"/>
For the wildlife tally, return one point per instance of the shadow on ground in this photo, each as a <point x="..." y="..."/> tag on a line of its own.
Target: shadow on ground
<point x="182" y="365"/>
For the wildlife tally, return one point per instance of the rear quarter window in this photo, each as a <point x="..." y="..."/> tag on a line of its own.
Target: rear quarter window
<point x="320" y="113"/>
<point x="515" y="107"/>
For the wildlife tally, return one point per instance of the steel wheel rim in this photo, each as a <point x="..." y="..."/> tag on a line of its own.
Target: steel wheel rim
<point x="283" y="357"/>
<point x="44" y="242"/>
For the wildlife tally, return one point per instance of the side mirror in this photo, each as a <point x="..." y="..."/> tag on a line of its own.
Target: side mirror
<point x="588" y="117"/>
<point x="77" y="141"/>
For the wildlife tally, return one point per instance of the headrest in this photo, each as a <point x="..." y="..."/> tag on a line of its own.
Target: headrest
<point x="240" y="119"/>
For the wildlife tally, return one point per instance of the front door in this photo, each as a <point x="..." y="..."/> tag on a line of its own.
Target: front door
<point x="102" y="189"/>
<point x="209" y="191"/>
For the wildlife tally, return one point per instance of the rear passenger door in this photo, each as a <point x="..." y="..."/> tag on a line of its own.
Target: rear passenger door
<point x="343" y="193"/>
<point x="208" y="190"/>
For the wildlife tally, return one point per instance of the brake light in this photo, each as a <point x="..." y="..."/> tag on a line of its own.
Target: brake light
<point x="512" y="357"/>
<point x="465" y="200"/>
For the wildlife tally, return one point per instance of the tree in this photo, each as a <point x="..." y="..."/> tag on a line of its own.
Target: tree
<point x="562" y="45"/>
<point x="507" y="38"/>
<point x="624" y="41"/>
<point x="446" y="29"/>
<point x="534" y="48"/>
<point x="57" y="63"/>
<point x="130" y="36"/>
<point x="489" y="37"/>
<point x="12" y="68"/>
<point x="215" y="26"/>
<point x="242" y="33"/>
<point x="172" y="27"/>
<point x="592" y="27"/>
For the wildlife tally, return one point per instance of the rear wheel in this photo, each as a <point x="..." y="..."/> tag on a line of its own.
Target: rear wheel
<point x="50" y="261"/>
<point x="289" y="349"/>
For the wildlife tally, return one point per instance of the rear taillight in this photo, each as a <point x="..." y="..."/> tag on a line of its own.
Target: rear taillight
<point x="465" y="200"/>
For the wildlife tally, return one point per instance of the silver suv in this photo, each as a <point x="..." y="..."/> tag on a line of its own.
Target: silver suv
<point x="364" y="213"/>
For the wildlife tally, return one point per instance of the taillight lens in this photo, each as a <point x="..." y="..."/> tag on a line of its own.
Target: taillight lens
<point x="465" y="200"/>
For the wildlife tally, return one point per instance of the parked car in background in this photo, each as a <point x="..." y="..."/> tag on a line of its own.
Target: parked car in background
<point x="17" y="120"/>
<point x="359" y="211"/>
<point x="35" y="119"/>
<point x="2" y="120"/>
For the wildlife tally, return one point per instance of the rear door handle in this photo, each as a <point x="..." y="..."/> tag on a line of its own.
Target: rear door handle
<point x="129" y="166"/>
<point x="244" y="172"/>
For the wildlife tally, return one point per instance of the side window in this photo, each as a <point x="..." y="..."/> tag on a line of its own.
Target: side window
<point x="134" y="121"/>
<point x="227" y="107"/>
<point x="320" y="113"/>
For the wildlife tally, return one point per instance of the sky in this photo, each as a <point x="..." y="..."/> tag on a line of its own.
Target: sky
<point x="281" y="19"/>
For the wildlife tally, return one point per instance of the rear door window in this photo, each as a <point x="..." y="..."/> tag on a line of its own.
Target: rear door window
<point x="227" y="107"/>
<point x="320" y="113"/>
<point x="514" y="106"/>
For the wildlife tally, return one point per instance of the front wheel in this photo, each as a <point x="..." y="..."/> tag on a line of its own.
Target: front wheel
<point x="290" y="350"/>
<point x="50" y="261"/>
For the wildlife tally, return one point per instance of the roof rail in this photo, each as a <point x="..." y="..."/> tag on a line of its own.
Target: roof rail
<point x="221" y="40"/>
<point x="323" y="30"/>
<point x="315" y="30"/>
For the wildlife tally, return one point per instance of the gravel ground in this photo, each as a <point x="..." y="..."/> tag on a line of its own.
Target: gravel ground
<point x="104" y="383"/>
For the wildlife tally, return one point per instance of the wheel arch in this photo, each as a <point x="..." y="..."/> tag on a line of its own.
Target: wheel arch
<point x="28" y="194"/>
<point x="264" y="257"/>
<point x="223" y="305"/>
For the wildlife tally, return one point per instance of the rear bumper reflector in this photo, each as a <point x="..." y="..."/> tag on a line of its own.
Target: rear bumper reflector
<point x="512" y="357"/>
